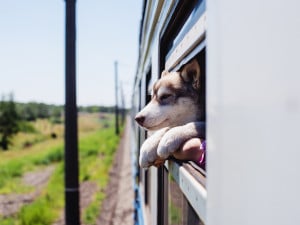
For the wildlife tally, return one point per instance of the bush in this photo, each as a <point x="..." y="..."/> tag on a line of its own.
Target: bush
<point x="54" y="156"/>
<point x="26" y="127"/>
<point x="36" y="214"/>
<point x="56" y="120"/>
<point x="10" y="170"/>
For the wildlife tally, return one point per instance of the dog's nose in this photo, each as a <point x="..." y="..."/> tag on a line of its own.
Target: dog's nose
<point x="140" y="119"/>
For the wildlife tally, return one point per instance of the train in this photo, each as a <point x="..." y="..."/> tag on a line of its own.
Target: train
<point x="248" y="54"/>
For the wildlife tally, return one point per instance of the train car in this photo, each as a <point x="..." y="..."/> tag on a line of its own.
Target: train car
<point x="172" y="33"/>
<point x="248" y="54"/>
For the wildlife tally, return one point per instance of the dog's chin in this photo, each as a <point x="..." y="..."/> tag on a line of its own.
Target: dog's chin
<point x="157" y="126"/>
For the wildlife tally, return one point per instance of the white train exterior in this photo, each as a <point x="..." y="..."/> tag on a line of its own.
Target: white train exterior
<point x="250" y="52"/>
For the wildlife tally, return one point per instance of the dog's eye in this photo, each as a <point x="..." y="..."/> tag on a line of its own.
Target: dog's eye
<point x="165" y="97"/>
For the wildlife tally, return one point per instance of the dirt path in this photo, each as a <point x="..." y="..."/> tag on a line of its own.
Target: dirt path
<point x="87" y="190"/>
<point x="12" y="203"/>
<point x="117" y="207"/>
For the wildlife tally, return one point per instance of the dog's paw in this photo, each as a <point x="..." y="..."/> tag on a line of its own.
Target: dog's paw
<point x="169" y="143"/>
<point x="143" y="161"/>
<point x="148" y="153"/>
<point x="146" y="160"/>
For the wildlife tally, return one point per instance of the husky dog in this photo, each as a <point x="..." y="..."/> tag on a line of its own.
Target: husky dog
<point x="174" y="113"/>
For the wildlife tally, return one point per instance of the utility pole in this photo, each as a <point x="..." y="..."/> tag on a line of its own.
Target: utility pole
<point x="116" y="92"/>
<point x="72" y="208"/>
<point x="123" y="104"/>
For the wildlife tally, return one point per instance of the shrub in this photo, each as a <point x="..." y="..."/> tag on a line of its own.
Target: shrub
<point x="10" y="170"/>
<point x="26" y="127"/>
<point x="36" y="214"/>
<point x="54" y="156"/>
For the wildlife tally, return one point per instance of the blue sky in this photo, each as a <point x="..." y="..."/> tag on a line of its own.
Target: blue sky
<point x="32" y="49"/>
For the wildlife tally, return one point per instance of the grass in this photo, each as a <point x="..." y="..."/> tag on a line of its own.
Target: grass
<point x="102" y="144"/>
<point x="42" y="131"/>
<point x="10" y="174"/>
<point x="174" y="214"/>
<point x="11" y="170"/>
<point x="39" y="211"/>
<point x="96" y="152"/>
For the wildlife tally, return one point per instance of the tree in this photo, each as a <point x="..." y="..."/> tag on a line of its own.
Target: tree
<point x="9" y="119"/>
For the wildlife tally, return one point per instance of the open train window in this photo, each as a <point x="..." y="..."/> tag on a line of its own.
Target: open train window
<point x="187" y="181"/>
<point x="172" y="34"/>
<point x="183" y="39"/>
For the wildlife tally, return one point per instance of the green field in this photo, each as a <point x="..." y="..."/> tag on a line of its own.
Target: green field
<point x="39" y="153"/>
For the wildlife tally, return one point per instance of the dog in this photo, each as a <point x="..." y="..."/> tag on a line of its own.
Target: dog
<point x="173" y="114"/>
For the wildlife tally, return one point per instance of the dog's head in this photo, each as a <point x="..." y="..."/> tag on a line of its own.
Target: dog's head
<point x="174" y="99"/>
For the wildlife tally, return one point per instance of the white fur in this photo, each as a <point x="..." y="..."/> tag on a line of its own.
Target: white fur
<point x="174" y="138"/>
<point x="148" y="150"/>
<point x="173" y="118"/>
<point x="157" y="116"/>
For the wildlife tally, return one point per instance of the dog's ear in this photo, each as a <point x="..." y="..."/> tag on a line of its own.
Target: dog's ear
<point x="191" y="73"/>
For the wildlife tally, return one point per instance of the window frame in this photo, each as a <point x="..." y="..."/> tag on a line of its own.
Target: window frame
<point x="190" y="178"/>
